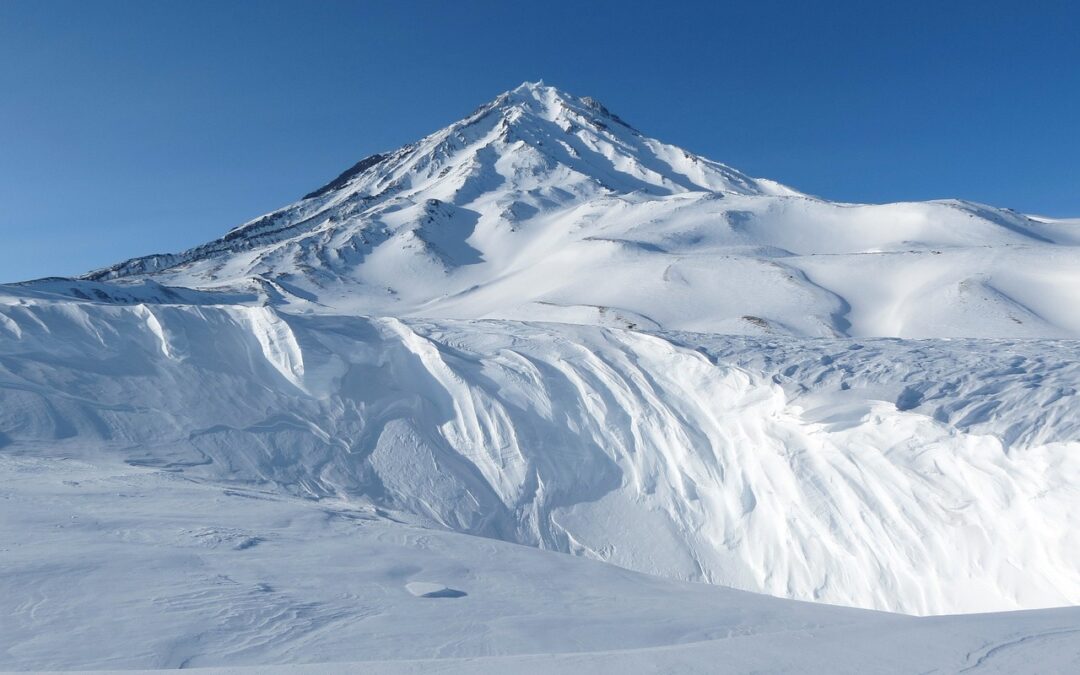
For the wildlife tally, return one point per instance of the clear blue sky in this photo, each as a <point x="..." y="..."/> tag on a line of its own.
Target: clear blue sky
<point x="135" y="127"/>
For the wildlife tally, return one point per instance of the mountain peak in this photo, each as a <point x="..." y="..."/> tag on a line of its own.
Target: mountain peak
<point x="551" y="103"/>
<point x="527" y="86"/>
<point x="534" y="149"/>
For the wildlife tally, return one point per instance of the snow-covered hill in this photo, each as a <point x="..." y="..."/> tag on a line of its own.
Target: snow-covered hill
<point x="540" y="326"/>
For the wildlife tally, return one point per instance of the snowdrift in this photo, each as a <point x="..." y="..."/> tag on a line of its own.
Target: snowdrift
<point x="930" y="477"/>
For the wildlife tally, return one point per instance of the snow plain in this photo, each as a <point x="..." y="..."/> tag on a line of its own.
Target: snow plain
<point x="361" y="429"/>
<point x="114" y="567"/>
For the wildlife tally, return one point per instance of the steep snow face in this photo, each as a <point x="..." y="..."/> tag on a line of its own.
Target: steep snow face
<point x="918" y="477"/>
<point x="545" y="206"/>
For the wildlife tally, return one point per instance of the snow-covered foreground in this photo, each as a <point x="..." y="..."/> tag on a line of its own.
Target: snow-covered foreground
<point x="108" y="566"/>
<point x="323" y="438"/>
<point x="927" y="477"/>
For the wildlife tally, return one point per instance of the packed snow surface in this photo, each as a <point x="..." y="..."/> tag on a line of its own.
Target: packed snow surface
<point x="110" y="566"/>
<point x="325" y="436"/>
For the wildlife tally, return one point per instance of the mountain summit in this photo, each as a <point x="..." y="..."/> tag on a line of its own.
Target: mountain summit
<point x="544" y="136"/>
<point x="544" y="205"/>
<point x="531" y="149"/>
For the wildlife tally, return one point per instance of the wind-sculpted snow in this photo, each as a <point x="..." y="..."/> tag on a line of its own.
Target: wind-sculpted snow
<point x="1023" y="392"/>
<point x="925" y="477"/>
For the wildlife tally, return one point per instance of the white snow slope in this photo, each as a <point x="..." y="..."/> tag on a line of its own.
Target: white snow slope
<point x="108" y="566"/>
<point x="280" y="447"/>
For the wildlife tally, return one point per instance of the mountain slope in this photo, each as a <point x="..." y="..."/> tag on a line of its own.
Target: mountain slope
<point x="544" y="206"/>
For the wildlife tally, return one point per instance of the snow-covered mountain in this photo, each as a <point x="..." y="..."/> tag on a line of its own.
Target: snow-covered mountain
<point x="540" y="326"/>
<point x="544" y="206"/>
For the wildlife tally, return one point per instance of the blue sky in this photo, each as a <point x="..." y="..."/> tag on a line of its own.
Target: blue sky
<point x="135" y="127"/>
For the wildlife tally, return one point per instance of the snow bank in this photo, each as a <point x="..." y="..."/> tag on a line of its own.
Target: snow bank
<point x="915" y="477"/>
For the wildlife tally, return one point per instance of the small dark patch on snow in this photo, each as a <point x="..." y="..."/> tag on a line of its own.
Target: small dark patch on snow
<point x="426" y="589"/>
<point x="909" y="399"/>
<point x="347" y="175"/>
<point x="445" y="593"/>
